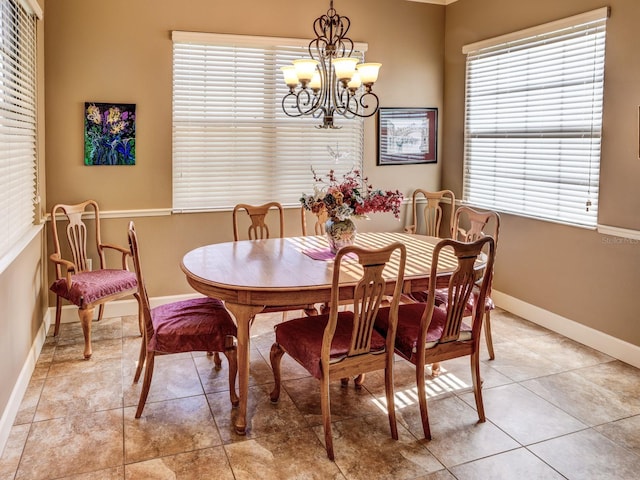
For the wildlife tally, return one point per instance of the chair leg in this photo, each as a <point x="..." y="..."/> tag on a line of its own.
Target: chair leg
<point x="487" y="334"/>
<point x="100" y="311"/>
<point x="141" y="359"/>
<point x="140" y="314"/>
<point x="231" y="353"/>
<point x="422" y="400"/>
<point x="86" y="317"/>
<point x="56" y="330"/>
<point x="146" y="384"/>
<point x="217" y="362"/>
<point x="391" y="405"/>
<point x="358" y="381"/>
<point x="325" y="404"/>
<point x="477" y="384"/>
<point x="276" y="357"/>
<point x="435" y="369"/>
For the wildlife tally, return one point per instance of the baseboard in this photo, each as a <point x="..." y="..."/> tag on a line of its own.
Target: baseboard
<point x="20" y="387"/>
<point x="588" y="336"/>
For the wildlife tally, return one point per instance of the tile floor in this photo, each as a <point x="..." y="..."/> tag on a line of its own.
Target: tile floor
<point x="555" y="409"/>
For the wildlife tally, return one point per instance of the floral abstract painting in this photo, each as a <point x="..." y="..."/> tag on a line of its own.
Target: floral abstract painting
<point x="109" y="133"/>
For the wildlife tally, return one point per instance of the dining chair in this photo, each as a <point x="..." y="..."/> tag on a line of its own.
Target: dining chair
<point x="432" y="213"/>
<point x="343" y="343"/>
<point x="196" y="324"/>
<point x="319" y="221"/>
<point x="76" y="281"/>
<point x="258" y="228"/>
<point x="429" y="334"/>
<point x="428" y="222"/>
<point x="470" y="225"/>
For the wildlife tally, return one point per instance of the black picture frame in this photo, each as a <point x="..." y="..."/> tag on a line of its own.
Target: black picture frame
<point x="407" y="136"/>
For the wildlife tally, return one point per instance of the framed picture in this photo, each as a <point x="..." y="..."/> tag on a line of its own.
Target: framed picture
<point x="109" y="133"/>
<point x="407" y="135"/>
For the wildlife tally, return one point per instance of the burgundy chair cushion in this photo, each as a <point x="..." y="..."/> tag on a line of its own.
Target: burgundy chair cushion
<point x="442" y="298"/>
<point x="301" y="338"/>
<point x="198" y="324"/>
<point x="90" y="287"/>
<point x="409" y="317"/>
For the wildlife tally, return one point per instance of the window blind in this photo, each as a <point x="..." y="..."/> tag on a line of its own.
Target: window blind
<point x="533" y="121"/>
<point x="17" y="122"/>
<point x="232" y="143"/>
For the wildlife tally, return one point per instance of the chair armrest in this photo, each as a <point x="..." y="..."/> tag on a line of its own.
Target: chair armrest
<point x="410" y="229"/>
<point x="125" y="253"/>
<point x="70" y="267"/>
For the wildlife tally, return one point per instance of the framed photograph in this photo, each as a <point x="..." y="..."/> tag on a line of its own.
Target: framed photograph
<point x="109" y="133"/>
<point x="407" y="135"/>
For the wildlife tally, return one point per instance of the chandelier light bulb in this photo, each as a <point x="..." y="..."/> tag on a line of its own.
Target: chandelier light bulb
<point x="369" y="72"/>
<point x="290" y="77"/>
<point x="344" y="67"/>
<point x="355" y="82"/>
<point x="305" y="68"/>
<point x="315" y="82"/>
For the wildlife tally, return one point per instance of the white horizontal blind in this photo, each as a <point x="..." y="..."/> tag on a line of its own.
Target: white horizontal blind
<point x="232" y="143"/>
<point x="17" y="122"/>
<point x="533" y="123"/>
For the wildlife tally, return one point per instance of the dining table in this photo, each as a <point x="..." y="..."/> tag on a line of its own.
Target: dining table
<point x="250" y="275"/>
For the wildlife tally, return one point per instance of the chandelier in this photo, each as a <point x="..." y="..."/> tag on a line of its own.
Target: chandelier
<point x="330" y="82"/>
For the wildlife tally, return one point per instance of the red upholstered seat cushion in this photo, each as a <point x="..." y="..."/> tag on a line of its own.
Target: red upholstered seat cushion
<point x="409" y="316"/>
<point x="90" y="287"/>
<point x="301" y="338"/>
<point x="198" y="324"/>
<point x="442" y="298"/>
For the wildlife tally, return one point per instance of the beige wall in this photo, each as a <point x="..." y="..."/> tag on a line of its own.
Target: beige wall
<point x="579" y="274"/>
<point x="120" y="51"/>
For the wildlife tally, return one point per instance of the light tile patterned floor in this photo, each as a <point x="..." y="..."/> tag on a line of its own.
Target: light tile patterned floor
<point x="555" y="409"/>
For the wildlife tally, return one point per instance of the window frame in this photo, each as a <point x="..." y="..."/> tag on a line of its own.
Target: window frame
<point x="496" y="139"/>
<point x="19" y="184"/>
<point x="292" y="146"/>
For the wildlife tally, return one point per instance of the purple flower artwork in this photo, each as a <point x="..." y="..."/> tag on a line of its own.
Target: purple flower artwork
<point x="109" y="133"/>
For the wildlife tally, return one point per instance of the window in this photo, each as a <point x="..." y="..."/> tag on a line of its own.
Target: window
<point x="232" y="143"/>
<point x="18" y="164"/>
<point x="533" y="120"/>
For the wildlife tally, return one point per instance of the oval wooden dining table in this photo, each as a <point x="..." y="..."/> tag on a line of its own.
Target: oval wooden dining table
<point x="253" y="274"/>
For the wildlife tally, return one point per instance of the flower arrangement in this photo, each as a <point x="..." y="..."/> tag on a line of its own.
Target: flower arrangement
<point x="350" y="197"/>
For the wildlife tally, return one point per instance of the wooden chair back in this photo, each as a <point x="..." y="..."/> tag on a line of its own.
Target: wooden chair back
<point x="319" y="221"/>
<point x="459" y="291"/>
<point x="432" y="212"/>
<point x="258" y="228"/>
<point x="470" y="224"/>
<point x="368" y="295"/>
<point x="145" y="305"/>
<point x="76" y="234"/>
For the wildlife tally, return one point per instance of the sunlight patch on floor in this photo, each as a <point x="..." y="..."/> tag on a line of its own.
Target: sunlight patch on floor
<point x="444" y="383"/>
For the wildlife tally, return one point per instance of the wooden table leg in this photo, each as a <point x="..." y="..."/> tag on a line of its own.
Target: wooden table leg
<point x="244" y="315"/>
